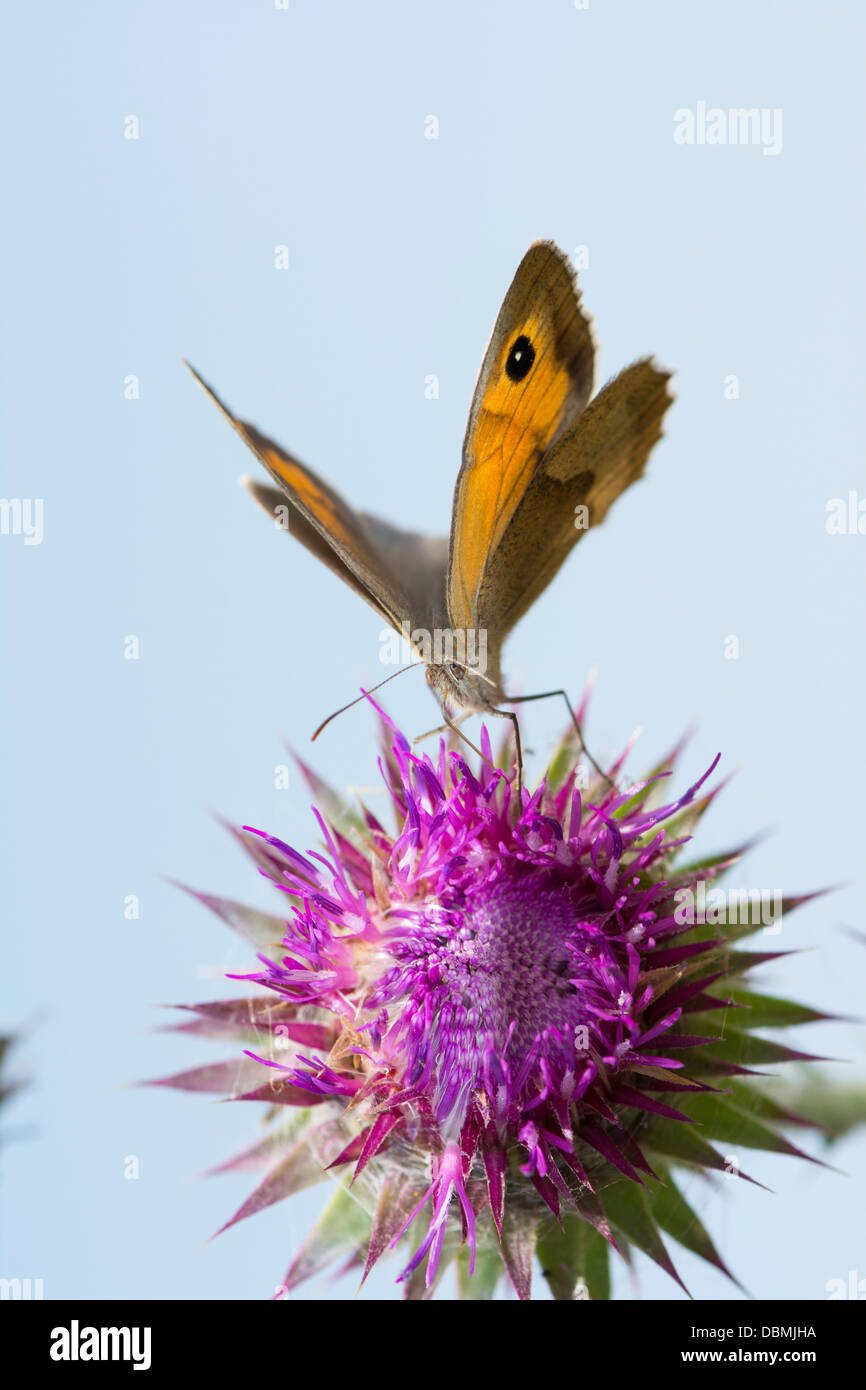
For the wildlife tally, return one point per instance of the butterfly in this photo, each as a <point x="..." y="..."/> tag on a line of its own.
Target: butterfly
<point x="543" y="459"/>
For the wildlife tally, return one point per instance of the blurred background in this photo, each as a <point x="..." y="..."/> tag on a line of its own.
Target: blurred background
<point x="322" y="206"/>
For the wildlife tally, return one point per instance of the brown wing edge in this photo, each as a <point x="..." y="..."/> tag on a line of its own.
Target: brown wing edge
<point x="573" y="328"/>
<point x="271" y="498"/>
<point x="389" y="550"/>
<point x="578" y="345"/>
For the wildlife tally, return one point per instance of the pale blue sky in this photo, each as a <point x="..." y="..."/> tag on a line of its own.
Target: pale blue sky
<point x="306" y="127"/>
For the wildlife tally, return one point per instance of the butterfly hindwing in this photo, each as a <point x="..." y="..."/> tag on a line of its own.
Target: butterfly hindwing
<point x="574" y="484"/>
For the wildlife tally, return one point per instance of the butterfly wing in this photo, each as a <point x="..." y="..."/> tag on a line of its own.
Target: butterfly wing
<point x="605" y="451"/>
<point x="401" y="574"/>
<point x="535" y="379"/>
<point x="421" y="562"/>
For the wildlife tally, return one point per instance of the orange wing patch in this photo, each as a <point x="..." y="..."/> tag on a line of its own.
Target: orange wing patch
<point x="319" y="500"/>
<point x="327" y="516"/>
<point x="514" y="425"/>
<point x="324" y="507"/>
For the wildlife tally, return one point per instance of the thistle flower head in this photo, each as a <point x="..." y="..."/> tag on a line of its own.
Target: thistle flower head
<point x="497" y="1023"/>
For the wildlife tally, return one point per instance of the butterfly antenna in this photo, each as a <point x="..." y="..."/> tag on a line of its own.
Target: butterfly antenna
<point x="549" y="694"/>
<point x="358" y="698"/>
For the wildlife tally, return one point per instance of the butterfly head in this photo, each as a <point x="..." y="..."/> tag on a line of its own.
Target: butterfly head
<point x="462" y="689"/>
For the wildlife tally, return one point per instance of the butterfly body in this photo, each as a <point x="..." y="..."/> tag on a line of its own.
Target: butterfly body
<point x="461" y="690"/>
<point x="542" y="462"/>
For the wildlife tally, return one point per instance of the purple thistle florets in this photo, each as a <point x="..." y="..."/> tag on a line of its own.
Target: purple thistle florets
<point x="497" y="1024"/>
<point x="490" y="962"/>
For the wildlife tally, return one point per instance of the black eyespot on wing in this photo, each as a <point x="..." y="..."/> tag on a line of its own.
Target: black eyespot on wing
<point x="521" y="356"/>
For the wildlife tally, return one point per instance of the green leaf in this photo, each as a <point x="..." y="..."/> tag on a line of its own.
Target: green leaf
<point x="398" y="1194"/>
<point x="266" y="1024"/>
<point x="574" y="1259"/>
<point x="518" y="1247"/>
<point x="558" y="1255"/>
<point x="564" y="758"/>
<point x="722" y="1121"/>
<point x="740" y="962"/>
<point x="261" y="929"/>
<point x="712" y="866"/>
<point x="629" y="1211"/>
<point x="594" y="1267"/>
<point x="342" y="1228"/>
<point x="334" y="808"/>
<point x="481" y="1285"/>
<point x="650" y="792"/>
<point x="747" y="1050"/>
<point x="752" y="1097"/>
<point x="674" y="1215"/>
<point x="728" y="923"/>
<point x="302" y="1166"/>
<point x="277" y="1139"/>
<point x="837" y="1108"/>
<point x="233" y="1077"/>
<point x="765" y="1011"/>
<point x="684" y="822"/>
<point x="682" y="1143"/>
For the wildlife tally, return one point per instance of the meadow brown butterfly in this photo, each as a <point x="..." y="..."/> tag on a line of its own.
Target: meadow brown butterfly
<point x="542" y="462"/>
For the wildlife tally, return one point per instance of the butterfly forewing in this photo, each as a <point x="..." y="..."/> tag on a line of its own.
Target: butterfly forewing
<point x="392" y="569"/>
<point x="570" y="491"/>
<point x="535" y="379"/>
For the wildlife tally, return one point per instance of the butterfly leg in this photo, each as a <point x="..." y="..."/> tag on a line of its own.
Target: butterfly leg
<point x="548" y="694"/>
<point x="509" y="714"/>
<point x="454" y="726"/>
<point x="440" y="729"/>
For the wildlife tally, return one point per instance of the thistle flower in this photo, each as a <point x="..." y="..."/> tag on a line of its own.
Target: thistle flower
<point x="496" y="1027"/>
